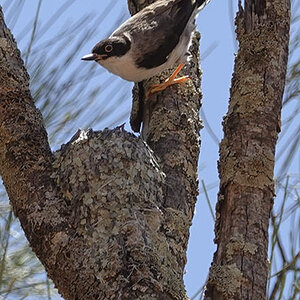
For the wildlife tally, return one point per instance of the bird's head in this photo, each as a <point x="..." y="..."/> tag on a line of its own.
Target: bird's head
<point x="115" y="46"/>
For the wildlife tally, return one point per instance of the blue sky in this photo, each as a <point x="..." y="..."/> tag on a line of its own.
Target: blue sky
<point x="215" y="24"/>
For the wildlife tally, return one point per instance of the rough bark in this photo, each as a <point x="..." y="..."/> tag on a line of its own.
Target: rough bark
<point x="171" y="128"/>
<point x="240" y="266"/>
<point x="107" y="215"/>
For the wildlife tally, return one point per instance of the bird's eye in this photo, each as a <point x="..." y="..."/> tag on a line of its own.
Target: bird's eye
<point x="108" y="48"/>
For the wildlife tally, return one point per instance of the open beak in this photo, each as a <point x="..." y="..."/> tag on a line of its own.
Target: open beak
<point x="89" y="57"/>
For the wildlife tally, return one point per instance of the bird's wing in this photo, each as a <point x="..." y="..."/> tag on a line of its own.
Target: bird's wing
<point x="156" y="30"/>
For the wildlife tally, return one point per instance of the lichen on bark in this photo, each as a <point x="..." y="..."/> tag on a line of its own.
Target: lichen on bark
<point x="247" y="150"/>
<point x="102" y="213"/>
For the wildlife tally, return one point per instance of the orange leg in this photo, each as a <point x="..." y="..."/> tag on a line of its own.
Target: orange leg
<point x="170" y="81"/>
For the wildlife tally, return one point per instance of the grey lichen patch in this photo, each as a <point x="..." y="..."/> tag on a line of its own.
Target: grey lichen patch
<point x="162" y="126"/>
<point x="113" y="185"/>
<point x="250" y="248"/>
<point x="180" y="159"/>
<point x="13" y="76"/>
<point x="254" y="168"/>
<point x="50" y="208"/>
<point x="238" y="244"/>
<point x="227" y="279"/>
<point x="175" y="228"/>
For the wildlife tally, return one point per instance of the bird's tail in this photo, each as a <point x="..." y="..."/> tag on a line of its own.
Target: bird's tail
<point x="201" y="3"/>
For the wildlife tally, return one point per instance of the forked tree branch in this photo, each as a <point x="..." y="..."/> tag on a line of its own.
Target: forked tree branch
<point x="106" y="215"/>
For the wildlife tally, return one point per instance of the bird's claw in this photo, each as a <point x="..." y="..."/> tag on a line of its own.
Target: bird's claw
<point x="162" y="86"/>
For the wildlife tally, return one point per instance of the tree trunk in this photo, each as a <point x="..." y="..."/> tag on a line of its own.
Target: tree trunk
<point x="240" y="266"/>
<point x="108" y="214"/>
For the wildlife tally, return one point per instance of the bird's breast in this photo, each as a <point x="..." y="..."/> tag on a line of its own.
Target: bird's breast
<point x="124" y="67"/>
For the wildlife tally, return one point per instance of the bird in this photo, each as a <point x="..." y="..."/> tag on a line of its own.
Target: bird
<point x="153" y="40"/>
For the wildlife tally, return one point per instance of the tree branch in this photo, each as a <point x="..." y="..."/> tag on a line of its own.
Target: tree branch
<point x="107" y="216"/>
<point x="25" y="154"/>
<point x="240" y="269"/>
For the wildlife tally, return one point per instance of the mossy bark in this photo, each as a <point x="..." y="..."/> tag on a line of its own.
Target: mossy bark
<point x="109" y="213"/>
<point x="240" y="266"/>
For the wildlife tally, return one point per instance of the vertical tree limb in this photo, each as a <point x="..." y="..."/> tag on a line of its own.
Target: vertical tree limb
<point x="240" y="267"/>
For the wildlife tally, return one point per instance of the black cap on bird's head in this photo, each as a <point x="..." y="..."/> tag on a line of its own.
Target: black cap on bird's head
<point x="114" y="46"/>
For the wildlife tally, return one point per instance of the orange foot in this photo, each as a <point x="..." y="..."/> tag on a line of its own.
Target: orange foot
<point x="170" y="81"/>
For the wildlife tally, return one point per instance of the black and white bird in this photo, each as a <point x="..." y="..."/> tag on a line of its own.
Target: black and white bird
<point x="153" y="40"/>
